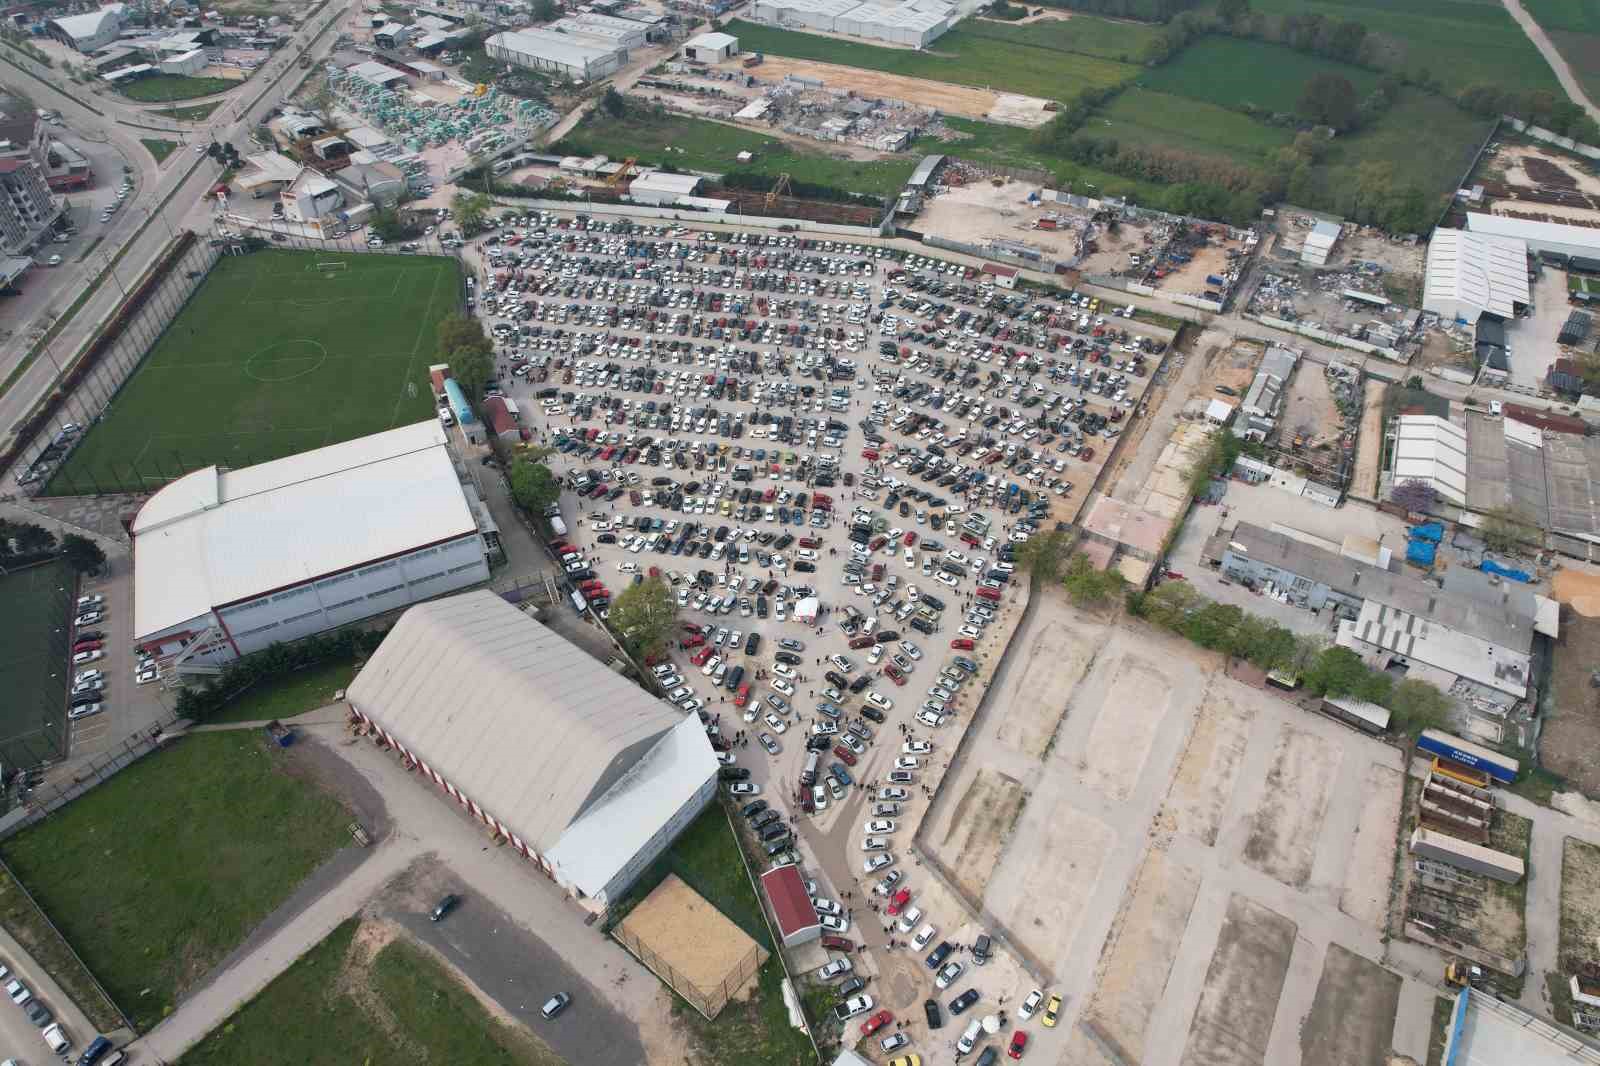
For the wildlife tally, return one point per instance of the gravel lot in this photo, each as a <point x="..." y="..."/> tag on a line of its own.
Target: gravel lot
<point x="759" y="406"/>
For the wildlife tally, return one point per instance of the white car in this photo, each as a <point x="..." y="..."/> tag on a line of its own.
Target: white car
<point x="886" y="886"/>
<point x="874" y="844"/>
<point x="876" y="862"/>
<point x="923" y="937"/>
<point x="826" y="906"/>
<point x="1030" y="1004"/>
<point x="744" y="788"/>
<point x="785" y="671"/>
<point x="778" y="724"/>
<point x="948" y="973"/>
<point x="834" y="923"/>
<point x="883" y="703"/>
<point x="945" y="579"/>
<point x="880" y="825"/>
<point x="85" y="676"/>
<point x="819" y="797"/>
<point x="913" y="652"/>
<point x="907" y="762"/>
<point x="853" y="1006"/>
<point x="916" y="747"/>
<point x="909" y="919"/>
<point x="18" y="992"/>
<point x="836" y="968"/>
<point x="928" y="718"/>
<point x="87" y="710"/>
<point x="711" y="665"/>
<point x="785" y="687"/>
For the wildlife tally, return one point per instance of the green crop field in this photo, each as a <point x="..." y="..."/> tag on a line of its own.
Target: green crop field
<point x="1140" y="117"/>
<point x="164" y="87"/>
<point x="1573" y="26"/>
<point x="274" y="354"/>
<point x="1083" y="34"/>
<point x="700" y="144"/>
<point x="959" y="58"/>
<point x="33" y="663"/>
<point x="203" y="839"/>
<point x="1460" y="42"/>
<point x="1580" y="15"/>
<point x="1231" y="72"/>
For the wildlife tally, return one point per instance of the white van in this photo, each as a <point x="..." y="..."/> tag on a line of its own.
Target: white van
<point x="969" y="1037"/>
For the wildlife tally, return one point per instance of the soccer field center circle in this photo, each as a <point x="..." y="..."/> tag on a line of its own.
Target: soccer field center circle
<point x="286" y="360"/>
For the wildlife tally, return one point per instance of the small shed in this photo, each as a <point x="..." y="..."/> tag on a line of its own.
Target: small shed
<point x="711" y="47"/>
<point x="1003" y="276"/>
<point x="792" y="911"/>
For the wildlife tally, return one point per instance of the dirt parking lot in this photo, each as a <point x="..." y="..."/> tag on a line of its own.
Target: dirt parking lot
<point x="1007" y="108"/>
<point x="1234" y="1019"/>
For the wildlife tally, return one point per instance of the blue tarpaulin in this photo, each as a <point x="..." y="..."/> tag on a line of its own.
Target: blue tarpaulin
<point x="1420" y="551"/>
<point x="1431" y="531"/>
<point x="1489" y="566"/>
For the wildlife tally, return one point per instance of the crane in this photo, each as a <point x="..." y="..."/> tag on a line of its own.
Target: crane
<point x="622" y="172"/>
<point x="778" y="190"/>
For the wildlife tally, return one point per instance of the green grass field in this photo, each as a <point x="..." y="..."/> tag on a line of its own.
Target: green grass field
<point x="1580" y="15"/>
<point x="1140" y="117"/>
<point x="156" y="875"/>
<point x="294" y="693"/>
<point x="338" y="1006"/>
<point x="1573" y="26"/>
<point x="34" y="670"/>
<point x="699" y="144"/>
<point x="158" y="148"/>
<point x="1083" y="34"/>
<point x="1231" y="72"/>
<point x="273" y="356"/>
<point x="1428" y="139"/>
<point x="1460" y="42"/>
<point x="161" y="88"/>
<point x="959" y="57"/>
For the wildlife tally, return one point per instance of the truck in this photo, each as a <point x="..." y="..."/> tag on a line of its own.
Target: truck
<point x="754" y="59"/>
<point x="1499" y="767"/>
<point x="1213" y="279"/>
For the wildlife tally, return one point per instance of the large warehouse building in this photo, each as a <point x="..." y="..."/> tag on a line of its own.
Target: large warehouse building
<point x="1473" y="274"/>
<point x="227" y="562"/>
<point x="581" y="57"/>
<point x="579" y="769"/>
<point x="1555" y="237"/>
<point x="914" y="23"/>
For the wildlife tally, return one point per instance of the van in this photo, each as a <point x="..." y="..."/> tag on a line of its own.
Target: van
<point x="969" y="1037"/>
<point x="557" y="526"/>
<point x="808" y="776"/>
<point x="57" y="1038"/>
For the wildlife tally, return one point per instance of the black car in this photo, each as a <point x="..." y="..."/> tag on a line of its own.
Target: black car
<point x="860" y="683"/>
<point x="37" y="1013"/>
<point x="922" y="625"/>
<point x="886" y="636"/>
<point x="818" y="743"/>
<point x="446" y="905"/>
<point x="851" y="987"/>
<point x="764" y="819"/>
<point x="752" y="643"/>
<point x="836" y="679"/>
<point x="963" y="1001"/>
<point x="930" y="1007"/>
<point x="788" y="657"/>
<point x="874" y="714"/>
<point x="753" y="808"/>
<point x="733" y="773"/>
<point x="937" y="956"/>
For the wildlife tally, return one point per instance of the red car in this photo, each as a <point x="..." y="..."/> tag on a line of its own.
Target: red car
<point x="901" y="898"/>
<point x="846" y="756"/>
<point x="910" y="538"/>
<point x="693" y="640"/>
<point x="989" y="594"/>
<point x="839" y="943"/>
<point x="961" y="644"/>
<point x="811" y="542"/>
<point x="876" y="1022"/>
<point x="861" y="642"/>
<point x="88" y="645"/>
<point x="700" y="657"/>
<point x="742" y="696"/>
<point x="893" y="674"/>
<point x="1019" y="1044"/>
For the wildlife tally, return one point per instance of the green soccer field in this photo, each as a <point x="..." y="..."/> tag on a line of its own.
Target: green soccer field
<point x="33" y="663"/>
<point x="276" y="353"/>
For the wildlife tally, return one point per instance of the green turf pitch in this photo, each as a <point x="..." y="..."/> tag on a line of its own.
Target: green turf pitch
<point x="33" y="663"/>
<point x="275" y="353"/>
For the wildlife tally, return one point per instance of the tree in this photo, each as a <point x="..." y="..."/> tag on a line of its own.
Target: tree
<point x="473" y="369"/>
<point x="644" y="615"/>
<point x="1414" y="494"/>
<point x="1329" y="100"/>
<point x="545" y="10"/>
<point x="1088" y="586"/>
<point x="471" y="211"/>
<point x="1341" y="672"/>
<point x="386" y="223"/>
<point x="32" y="539"/>
<point x="1505" y="530"/>
<point x="1417" y="705"/>
<point x="615" y="103"/>
<point x="460" y="331"/>
<point x="82" y="554"/>
<point x="533" y="486"/>
<point x="1044" y="554"/>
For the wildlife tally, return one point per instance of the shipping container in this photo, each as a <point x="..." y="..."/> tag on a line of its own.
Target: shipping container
<point x="1465" y="855"/>
<point x="1474" y="756"/>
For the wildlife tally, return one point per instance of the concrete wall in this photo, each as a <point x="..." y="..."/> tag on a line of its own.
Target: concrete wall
<point x="692" y="217"/>
<point x="1329" y="338"/>
<point x="1539" y="133"/>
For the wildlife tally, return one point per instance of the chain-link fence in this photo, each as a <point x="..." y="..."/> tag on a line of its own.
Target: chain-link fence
<point x="708" y="1001"/>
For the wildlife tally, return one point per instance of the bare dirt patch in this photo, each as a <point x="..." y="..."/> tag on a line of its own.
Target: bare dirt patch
<point x="1569" y="744"/>
<point x="676" y="927"/>
<point x="1139" y="953"/>
<point x="1309" y="411"/>
<point x="1352" y="1018"/>
<point x="1369" y="445"/>
<point x="1234" y="1016"/>
<point x="1051" y="898"/>
<point x="1132" y="708"/>
<point x="951" y="99"/>
<point x="1371" y="866"/>
<point x="1206" y="776"/>
<point x="1283" y="839"/>
<point x="1056" y="660"/>
<point x="980" y="826"/>
<point x="1580" y="902"/>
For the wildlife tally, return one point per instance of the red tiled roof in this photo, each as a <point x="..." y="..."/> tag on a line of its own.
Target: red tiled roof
<point x="499" y="418"/>
<point x="786" y="890"/>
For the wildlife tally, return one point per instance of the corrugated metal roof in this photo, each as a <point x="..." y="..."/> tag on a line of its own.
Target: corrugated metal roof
<point x="924" y="171"/>
<point x="580" y="763"/>
<point x="791" y="904"/>
<point x="216" y="537"/>
<point x="556" y="47"/>
<point x="659" y="181"/>
<point x="1486" y="272"/>
<point x="1533" y="231"/>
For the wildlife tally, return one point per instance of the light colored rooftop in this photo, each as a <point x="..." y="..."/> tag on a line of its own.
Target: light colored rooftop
<point x="713" y="40"/>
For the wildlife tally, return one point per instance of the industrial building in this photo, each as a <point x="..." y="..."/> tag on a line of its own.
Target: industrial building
<point x="711" y="47"/>
<point x="622" y="33"/>
<point x="581" y="58"/>
<point x="310" y="196"/>
<point x="267" y="174"/>
<point x="384" y="77"/>
<point x="1556" y="238"/>
<point x="657" y="187"/>
<point x="914" y="23"/>
<point x="574" y="766"/>
<point x="227" y="562"/>
<point x="1474" y="274"/>
<point x="1432" y="450"/>
<point x="1318" y="247"/>
<point x="1486" y="1030"/>
<point x="1264" y="399"/>
<point x="90" y="31"/>
<point x="28" y="210"/>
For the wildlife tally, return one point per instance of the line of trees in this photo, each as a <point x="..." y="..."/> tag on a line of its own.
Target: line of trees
<point x="26" y="543"/>
<point x="469" y="352"/>
<point x="200" y="702"/>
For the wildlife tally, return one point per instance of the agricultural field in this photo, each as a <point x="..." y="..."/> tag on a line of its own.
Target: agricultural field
<point x="700" y="144"/>
<point x="277" y="352"/>
<point x="959" y="57"/>
<point x="201" y="841"/>
<point x="1573" y="26"/>
<point x="1459" y="42"/>
<point x="1231" y="72"/>
<point x="1137" y="116"/>
<point x="1086" y="35"/>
